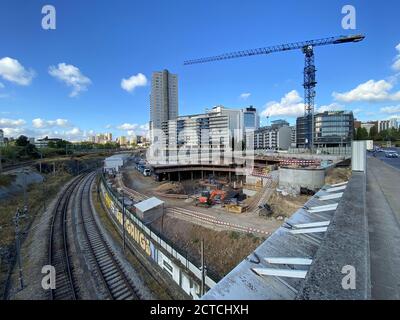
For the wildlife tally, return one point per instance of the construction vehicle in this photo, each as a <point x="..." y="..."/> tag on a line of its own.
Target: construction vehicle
<point x="208" y="198"/>
<point x="217" y="196"/>
<point x="146" y="172"/>
<point x="235" y="208"/>
<point x="204" y="199"/>
<point x="265" y="210"/>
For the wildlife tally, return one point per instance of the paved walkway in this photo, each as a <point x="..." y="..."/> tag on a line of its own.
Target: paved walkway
<point x="383" y="208"/>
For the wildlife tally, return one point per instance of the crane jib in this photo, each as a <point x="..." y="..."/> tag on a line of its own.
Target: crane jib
<point x="278" y="48"/>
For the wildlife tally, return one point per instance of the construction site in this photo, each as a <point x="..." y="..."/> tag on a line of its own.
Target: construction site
<point x="232" y="211"/>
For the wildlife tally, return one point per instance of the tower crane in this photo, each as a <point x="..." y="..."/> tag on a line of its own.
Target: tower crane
<point x="307" y="48"/>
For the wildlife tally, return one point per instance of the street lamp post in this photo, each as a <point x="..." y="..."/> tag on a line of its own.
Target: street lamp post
<point x="25" y="192"/>
<point x="123" y="220"/>
<point x="18" y="247"/>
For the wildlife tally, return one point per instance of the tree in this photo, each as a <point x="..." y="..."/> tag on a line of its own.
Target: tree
<point x="362" y="134"/>
<point x="373" y="133"/>
<point x="22" y="141"/>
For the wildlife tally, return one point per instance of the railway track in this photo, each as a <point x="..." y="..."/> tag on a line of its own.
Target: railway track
<point x="18" y="165"/>
<point x="108" y="270"/>
<point x="59" y="256"/>
<point x="108" y="267"/>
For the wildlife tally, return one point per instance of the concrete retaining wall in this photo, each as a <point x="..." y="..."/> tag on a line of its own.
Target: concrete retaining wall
<point x="294" y="179"/>
<point x="345" y="248"/>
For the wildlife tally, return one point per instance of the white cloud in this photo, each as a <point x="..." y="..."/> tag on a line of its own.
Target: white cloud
<point x="74" y="132"/>
<point x="10" y="123"/>
<point x="245" y="96"/>
<point x="135" y="129"/>
<point x="396" y="64"/>
<point x="41" y="123"/>
<point x="128" y="126"/>
<point x="370" y="91"/>
<point x="71" y="76"/>
<point x="391" y="109"/>
<point x="12" y="132"/>
<point x="134" y="81"/>
<point x="11" y="70"/>
<point x="331" y="107"/>
<point x="290" y="105"/>
<point x="109" y="126"/>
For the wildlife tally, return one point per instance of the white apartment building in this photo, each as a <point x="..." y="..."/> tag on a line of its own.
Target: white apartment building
<point x="101" y="138"/>
<point x="269" y="138"/>
<point x="212" y="137"/>
<point x="387" y="124"/>
<point x="278" y="136"/>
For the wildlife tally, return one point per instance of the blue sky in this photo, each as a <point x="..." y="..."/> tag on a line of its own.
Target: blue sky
<point x="96" y="44"/>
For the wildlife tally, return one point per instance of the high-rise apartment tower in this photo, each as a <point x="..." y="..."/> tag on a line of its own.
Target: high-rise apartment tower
<point x="163" y="99"/>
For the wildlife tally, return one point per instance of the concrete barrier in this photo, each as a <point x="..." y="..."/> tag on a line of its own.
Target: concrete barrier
<point x="345" y="248"/>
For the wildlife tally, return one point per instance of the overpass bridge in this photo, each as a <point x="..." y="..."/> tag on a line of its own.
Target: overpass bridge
<point x="343" y="244"/>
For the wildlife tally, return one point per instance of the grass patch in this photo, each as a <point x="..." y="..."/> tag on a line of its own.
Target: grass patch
<point x="37" y="197"/>
<point x="234" y="235"/>
<point x="6" y="179"/>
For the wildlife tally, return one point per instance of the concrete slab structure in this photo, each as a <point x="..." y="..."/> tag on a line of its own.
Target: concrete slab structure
<point x="244" y="283"/>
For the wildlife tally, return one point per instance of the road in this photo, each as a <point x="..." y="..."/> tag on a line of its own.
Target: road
<point x="383" y="209"/>
<point x="395" y="162"/>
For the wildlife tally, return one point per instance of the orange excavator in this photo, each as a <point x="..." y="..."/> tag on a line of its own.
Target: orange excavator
<point x="207" y="198"/>
<point x="217" y="196"/>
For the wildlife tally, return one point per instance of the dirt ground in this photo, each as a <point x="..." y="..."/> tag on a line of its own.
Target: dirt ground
<point x="146" y="185"/>
<point x="223" y="249"/>
<point x="286" y="206"/>
<point x="338" y="175"/>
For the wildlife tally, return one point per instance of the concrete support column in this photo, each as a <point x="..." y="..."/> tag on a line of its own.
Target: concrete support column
<point x="191" y="175"/>
<point x="179" y="176"/>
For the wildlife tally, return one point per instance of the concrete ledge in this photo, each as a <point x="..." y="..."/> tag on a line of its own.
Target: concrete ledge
<point x="346" y="243"/>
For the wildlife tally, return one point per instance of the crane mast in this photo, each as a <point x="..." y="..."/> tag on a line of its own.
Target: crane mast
<point x="309" y="83"/>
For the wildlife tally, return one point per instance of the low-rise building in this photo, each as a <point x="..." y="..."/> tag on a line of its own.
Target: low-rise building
<point x="123" y="141"/>
<point x="278" y="136"/>
<point x="331" y="129"/>
<point x="101" y="138"/>
<point x="44" y="142"/>
<point x="388" y="124"/>
<point x="369" y="125"/>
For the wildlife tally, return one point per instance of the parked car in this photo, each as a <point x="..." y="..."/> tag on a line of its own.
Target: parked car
<point x="391" y="155"/>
